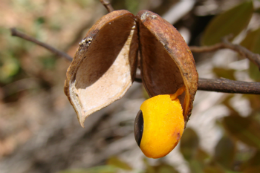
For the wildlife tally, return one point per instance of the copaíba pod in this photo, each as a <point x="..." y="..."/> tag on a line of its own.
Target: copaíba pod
<point x="105" y="63"/>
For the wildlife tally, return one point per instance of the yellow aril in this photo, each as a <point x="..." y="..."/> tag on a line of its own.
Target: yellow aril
<point x="163" y="124"/>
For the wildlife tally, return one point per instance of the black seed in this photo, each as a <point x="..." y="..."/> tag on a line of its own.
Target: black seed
<point x="139" y="125"/>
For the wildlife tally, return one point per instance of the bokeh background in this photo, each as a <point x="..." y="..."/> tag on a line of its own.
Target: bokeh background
<point x="39" y="131"/>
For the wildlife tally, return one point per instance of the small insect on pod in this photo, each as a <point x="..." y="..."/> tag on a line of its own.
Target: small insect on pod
<point x="104" y="68"/>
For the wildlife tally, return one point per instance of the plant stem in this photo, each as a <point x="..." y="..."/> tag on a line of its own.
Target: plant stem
<point x="107" y="5"/>
<point x="225" y="44"/>
<point x="16" y="33"/>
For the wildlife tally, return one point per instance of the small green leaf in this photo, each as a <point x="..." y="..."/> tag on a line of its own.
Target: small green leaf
<point x="9" y="67"/>
<point x="149" y="168"/>
<point x="254" y="102"/>
<point x="225" y="152"/>
<point x="40" y="21"/>
<point x="202" y="156"/>
<point x="159" y="168"/>
<point x="118" y="163"/>
<point x="189" y="144"/>
<point x="224" y="73"/>
<point x="195" y="166"/>
<point x="257" y="10"/>
<point x="164" y="168"/>
<point x="97" y="169"/>
<point x="252" y="170"/>
<point x="232" y="22"/>
<point x="213" y="168"/>
<point x="253" y="161"/>
<point x="132" y="5"/>
<point x="226" y="102"/>
<point x="252" y="43"/>
<point x="254" y="72"/>
<point x="244" y="129"/>
<point x="74" y="171"/>
<point x="145" y="94"/>
<point x="48" y="62"/>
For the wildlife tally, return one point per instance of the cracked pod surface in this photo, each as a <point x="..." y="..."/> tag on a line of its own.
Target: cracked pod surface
<point x="167" y="63"/>
<point x="104" y="65"/>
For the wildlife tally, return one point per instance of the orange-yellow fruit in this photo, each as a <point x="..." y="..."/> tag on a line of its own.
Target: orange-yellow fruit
<point x="163" y="125"/>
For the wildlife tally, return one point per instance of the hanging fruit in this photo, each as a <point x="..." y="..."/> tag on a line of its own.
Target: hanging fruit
<point x="104" y="68"/>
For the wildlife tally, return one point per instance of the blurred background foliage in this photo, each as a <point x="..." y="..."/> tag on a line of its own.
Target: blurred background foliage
<point x="31" y="84"/>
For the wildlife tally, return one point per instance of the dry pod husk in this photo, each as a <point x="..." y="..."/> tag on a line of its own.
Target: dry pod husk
<point x="166" y="60"/>
<point x="105" y="63"/>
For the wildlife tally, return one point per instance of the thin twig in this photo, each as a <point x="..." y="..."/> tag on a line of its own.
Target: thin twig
<point x="203" y="49"/>
<point x="255" y="58"/>
<point x="16" y="33"/>
<point x="107" y="5"/>
<point x="225" y="86"/>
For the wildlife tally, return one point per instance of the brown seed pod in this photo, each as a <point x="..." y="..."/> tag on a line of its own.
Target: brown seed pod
<point x="166" y="61"/>
<point x="105" y="63"/>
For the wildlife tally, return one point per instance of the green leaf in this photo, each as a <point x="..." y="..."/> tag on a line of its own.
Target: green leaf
<point x="226" y="102"/>
<point x="149" y="168"/>
<point x="252" y="170"/>
<point x="48" y="62"/>
<point x="252" y="43"/>
<point x="224" y="73"/>
<point x="254" y="102"/>
<point x="253" y="161"/>
<point x="9" y="67"/>
<point x="195" y="166"/>
<point x="225" y="152"/>
<point x="118" y="163"/>
<point x="145" y="94"/>
<point x="97" y="169"/>
<point x="202" y="156"/>
<point x="257" y="10"/>
<point x="213" y="168"/>
<point x="244" y="129"/>
<point x="232" y="22"/>
<point x="164" y="168"/>
<point x="40" y="20"/>
<point x="189" y="144"/>
<point x="159" y="168"/>
<point x="254" y="72"/>
<point x="132" y="5"/>
<point x="74" y="171"/>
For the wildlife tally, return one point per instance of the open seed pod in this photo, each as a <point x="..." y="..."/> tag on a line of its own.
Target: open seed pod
<point x="167" y="63"/>
<point x="104" y="65"/>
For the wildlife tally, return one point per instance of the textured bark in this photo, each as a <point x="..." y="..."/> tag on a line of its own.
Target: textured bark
<point x="229" y="86"/>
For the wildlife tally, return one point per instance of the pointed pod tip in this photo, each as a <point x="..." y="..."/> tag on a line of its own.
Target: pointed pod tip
<point x="81" y="120"/>
<point x="82" y="124"/>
